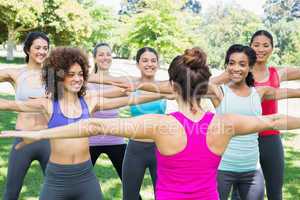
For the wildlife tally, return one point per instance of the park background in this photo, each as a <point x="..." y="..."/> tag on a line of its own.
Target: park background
<point x="170" y="26"/>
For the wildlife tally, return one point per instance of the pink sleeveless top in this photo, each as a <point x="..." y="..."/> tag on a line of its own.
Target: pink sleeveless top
<point x="270" y="106"/>
<point x="192" y="173"/>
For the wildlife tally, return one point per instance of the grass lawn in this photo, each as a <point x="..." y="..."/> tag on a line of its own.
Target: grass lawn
<point x="109" y="181"/>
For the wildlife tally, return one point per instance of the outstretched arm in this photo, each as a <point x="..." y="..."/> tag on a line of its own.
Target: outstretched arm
<point x="161" y="86"/>
<point x="142" y="127"/>
<point x="8" y="75"/>
<point x="289" y="73"/>
<point x="111" y="103"/>
<point x="32" y="105"/>
<point x="241" y="125"/>
<point x="108" y="79"/>
<point x="278" y="93"/>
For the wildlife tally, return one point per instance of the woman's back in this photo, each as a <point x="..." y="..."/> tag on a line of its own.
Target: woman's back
<point x="191" y="173"/>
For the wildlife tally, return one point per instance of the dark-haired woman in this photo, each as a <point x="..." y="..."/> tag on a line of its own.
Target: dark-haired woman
<point x="189" y="142"/>
<point x="113" y="146"/>
<point x="270" y="145"/>
<point x="69" y="173"/>
<point x="139" y="153"/>
<point x="27" y="83"/>
<point x="239" y="165"/>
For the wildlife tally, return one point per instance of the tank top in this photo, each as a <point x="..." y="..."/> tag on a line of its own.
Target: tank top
<point x="153" y="107"/>
<point x="191" y="173"/>
<point x="59" y="119"/>
<point x="242" y="153"/>
<point x="102" y="140"/>
<point x="24" y="90"/>
<point x="270" y="106"/>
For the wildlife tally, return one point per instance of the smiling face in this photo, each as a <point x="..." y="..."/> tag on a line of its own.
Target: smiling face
<point x="38" y="51"/>
<point x="262" y="47"/>
<point x="148" y="64"/>
<point x="238" y="67"/>
<point x="103" y="58"/>
<point x="74" y="79"/>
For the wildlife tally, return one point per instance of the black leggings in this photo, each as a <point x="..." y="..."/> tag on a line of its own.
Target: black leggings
<point x="272" y="164"/>
<point x="19" y="163"/>
<point x="138" y="157"/>
<point x="250" y="185"/>
<point x="71" y="182"/>
<point x="114" y="152"/>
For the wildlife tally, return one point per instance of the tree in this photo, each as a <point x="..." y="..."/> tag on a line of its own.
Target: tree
<point x="158" y="26"/>
<point x="62" y="19"/>
<point x="276" y="10"/>
<point x="224" y="26"/>
<point x="66" y="21"/>
<point x="19" y="16"/>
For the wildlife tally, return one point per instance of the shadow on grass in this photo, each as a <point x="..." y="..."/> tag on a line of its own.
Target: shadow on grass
<point x="16" y="60"/>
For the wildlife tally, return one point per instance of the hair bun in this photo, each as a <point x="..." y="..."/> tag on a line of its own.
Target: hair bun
<point x="194" y="58"/>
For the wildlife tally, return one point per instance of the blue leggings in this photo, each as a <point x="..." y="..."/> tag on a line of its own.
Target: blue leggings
<point x="71" y="182"/>
<point x="19" y="163"/>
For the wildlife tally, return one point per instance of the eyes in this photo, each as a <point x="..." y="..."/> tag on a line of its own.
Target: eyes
<point x="266" y="45"/>
<point x="145" y="60"/>
<point x="45" y="48"/>
<point x="242" y="64"/>
<point x="73" y="74"/>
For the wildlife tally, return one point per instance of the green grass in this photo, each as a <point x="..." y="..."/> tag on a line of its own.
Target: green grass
<point x="16" y="60"/>
<point x="109" y="181"/>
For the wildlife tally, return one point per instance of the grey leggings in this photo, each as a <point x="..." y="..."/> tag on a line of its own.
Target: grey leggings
<point x="138" y="157"/>
<point x="71" y="182"/>
<point x="272" y="164"/>
<point x="250" y="185"/>
<point x="19" y="163"/>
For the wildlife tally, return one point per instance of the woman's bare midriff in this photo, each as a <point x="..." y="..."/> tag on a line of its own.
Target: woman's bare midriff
<point x="31" y="121"/>
<point x="69" y="151"/>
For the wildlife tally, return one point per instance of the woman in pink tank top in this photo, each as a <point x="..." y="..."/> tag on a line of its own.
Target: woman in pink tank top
<point x="189" y="142"/>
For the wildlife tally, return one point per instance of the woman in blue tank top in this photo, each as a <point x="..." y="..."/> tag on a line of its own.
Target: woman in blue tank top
<point x="69" y="173"/>
<point x="27" y="84"/>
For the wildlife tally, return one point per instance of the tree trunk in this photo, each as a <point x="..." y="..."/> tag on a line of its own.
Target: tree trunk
<point x="10" y="44"/>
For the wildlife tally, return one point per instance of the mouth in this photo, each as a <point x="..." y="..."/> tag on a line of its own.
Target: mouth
<point x="236" y="75"/>
<point x="260" y="55"/>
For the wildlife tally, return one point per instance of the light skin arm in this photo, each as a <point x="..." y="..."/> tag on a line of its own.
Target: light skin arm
<point x="108" y="93"/>
<point x="278" y="93"/>
<point x="289" y="73"/>
<point x="108" y="79"/>
<point x="8" y="75"/>
<point x="161" y="86"/>
<point x="106" y="104"/>
<point x="242" y="125"/>
<point x="142" y="127"/>
<point x="31" y="105"/>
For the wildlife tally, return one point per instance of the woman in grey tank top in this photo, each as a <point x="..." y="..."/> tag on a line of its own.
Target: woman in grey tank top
<point x="27" y="83"/>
